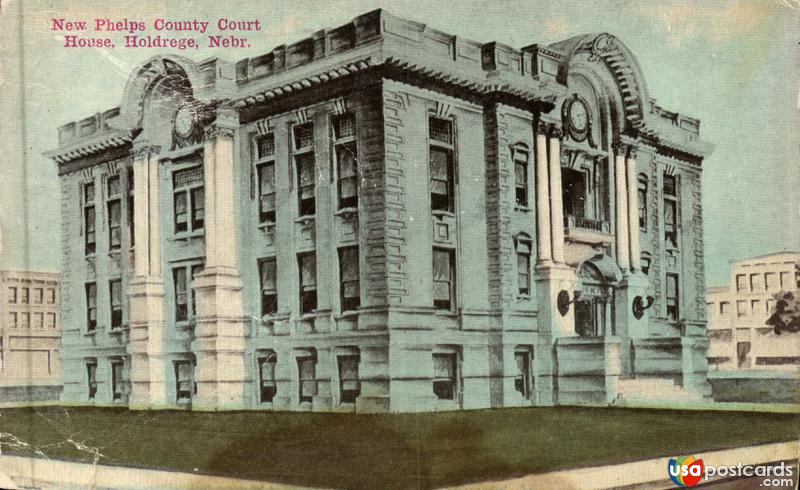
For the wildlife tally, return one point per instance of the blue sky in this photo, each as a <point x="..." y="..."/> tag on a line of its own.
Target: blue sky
<point x="733" y="64"/>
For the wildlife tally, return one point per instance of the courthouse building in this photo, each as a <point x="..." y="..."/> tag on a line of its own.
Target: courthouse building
<point x="30" y="334"/>
<point x="384" y="217"/>
<point x="739" y="337"/>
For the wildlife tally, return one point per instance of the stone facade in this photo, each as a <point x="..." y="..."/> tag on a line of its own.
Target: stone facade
<point x="30" y="334"/>
<point x="739" y="337"/>
<point x="384" y="217"/>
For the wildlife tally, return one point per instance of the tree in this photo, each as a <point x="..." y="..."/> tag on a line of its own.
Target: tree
<point x="785" y="315"/>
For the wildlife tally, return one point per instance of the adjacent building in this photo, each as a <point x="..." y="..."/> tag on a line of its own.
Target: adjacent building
<point x="739" y="337"/>
<point x="384" y="217"/>
<point x="30" y="336"/>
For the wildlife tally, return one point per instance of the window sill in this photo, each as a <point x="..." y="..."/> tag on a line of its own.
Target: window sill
<point x="524" y="209"/>
<point x="446" y="313"/>
<point x="347" y="213"/>
<point x="90" y="333"/>
<point x="347" y="314"/>
<point x="117" y="331"/>
<point x="524" y="297"/>
<point x="90" y="257"/>
<point x="185" y="324"/>
<point x="115" y="252"/>
<point x="185" y="236"/>
<point x="306" y="220"/>
<point x="267" y="226"/>
<point x="442" y="214"/>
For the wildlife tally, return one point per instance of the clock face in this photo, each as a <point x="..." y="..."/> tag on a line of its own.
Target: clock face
<point x="578" y="115"/>
<point x="184" y="121"/>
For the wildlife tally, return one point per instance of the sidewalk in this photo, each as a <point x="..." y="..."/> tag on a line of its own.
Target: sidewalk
<point x="42" y="473"/>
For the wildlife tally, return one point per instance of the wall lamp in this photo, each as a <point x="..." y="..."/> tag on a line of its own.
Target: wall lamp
<point x="563" y="301"/>
<point x="639" y="306"/>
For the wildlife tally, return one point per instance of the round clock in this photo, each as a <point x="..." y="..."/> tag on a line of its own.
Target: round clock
<point x="577" y="118"/>
<point x="184" y="121"/>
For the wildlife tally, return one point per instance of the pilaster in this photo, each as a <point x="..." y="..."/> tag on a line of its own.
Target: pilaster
<point x="556" y="203"/>
<point x="633" y="208"/>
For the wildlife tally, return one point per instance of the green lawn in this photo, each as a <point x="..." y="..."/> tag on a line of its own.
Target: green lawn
<point x="385" y="451"/>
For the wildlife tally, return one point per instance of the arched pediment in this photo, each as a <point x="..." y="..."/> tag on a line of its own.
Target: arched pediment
<point x="621" y="64"/>
<point x="168" y="72"/>
<point x="600" y="269"/>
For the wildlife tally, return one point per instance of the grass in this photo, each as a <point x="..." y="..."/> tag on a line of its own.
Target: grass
<point x="385" y="451"/>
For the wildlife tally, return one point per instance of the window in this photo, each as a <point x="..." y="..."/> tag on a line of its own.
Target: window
<point x="117" y="382"/>
<point x="115" y="293"/>
<point x="51" y="296"/>
<point x="724" y="308"/>
<point x="24" y="320"/>
<point x="523" y="267"/>
<point x="741" y="308"/>
<point x="12" y="295"/>
<point x="306" y="168"/>
<point x="51" y="320"/>
<point x="445" y="376"/>
<point x="90" y="243"/>
<point x="444" y="278"/>
<point x="349" y="383"/>
<point x="266" y="376"/>
<point x="38" y="296"/>
<point x="12" y="320"/>
<point x="741" y="283"/>
<point x="185" y="386"/>
<point x="786" y="280"/>
<point x="114" y="206"/>
<point x="771" y="281"/>
<point x="91" y="306"/>
<point x="673" y="309"/>
<point x="756" y="307"/>
<point x="267" y="273"/>
<point x="346" y="152"/>
<point x="574" y="191"/>
<point x="523" y="381"/>
<point x="670" y="211"/>
<point x="442" y="166"/>
<point x="188" y="196"/>
<point x="184" y="294"/>
<point x="756" y="283"/>
<point x="130" y="200"/>
<point x="91" y="379"/>
<point x="265" y="156"/>
<point x="520" y="155"/>
<point x="308" y="282"/>
<point x="307" y="374"/>
<point x="38" y="320"/>
<point x="266" y="192"/>
<point x="25" y="296"/>
<point x="350" y="285"/>
<point x="641" y="194"/>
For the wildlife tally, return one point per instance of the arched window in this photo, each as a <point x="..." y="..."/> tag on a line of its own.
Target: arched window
<point x="641" y="194"/>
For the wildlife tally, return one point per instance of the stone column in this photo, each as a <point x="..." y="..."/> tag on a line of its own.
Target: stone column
<point x="146" y="290"/>
<point x="542" y="196"/>
<point x="556" y="203"/>
<point x="621" y="200"/>
<point x="633" y="208"/>
<point x="220" y="329"/>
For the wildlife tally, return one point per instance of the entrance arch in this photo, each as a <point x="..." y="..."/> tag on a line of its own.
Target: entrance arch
<point x="594" y="306"/>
